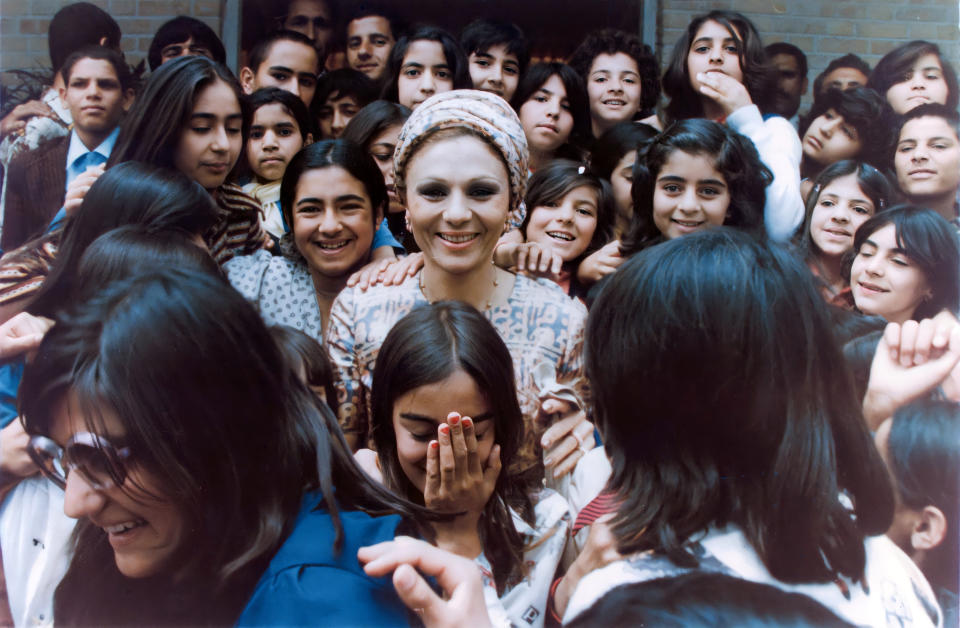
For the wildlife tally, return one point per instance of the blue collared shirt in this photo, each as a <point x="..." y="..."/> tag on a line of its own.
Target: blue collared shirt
<point x="78" y="150"/>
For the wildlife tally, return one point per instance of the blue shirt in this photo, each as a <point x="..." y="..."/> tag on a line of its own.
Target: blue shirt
<point x="309" y="584"/>
<point x="77" y="160"/>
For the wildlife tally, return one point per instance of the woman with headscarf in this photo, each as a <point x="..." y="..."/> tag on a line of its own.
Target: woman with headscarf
<point x="461" y="170"/>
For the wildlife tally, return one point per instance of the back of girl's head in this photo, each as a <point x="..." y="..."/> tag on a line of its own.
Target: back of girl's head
<point x="719" y="389"/>
<point x="895" y="67"/>
<point x="703" y="599"/>
<point x="923" y="453"/>
<point x="128" y="193"/>
<point x="610" y="42"/>
<point x="864" y="110"/>
<point x="452" y="52"/>
<point x="152" y="128"/>
<point x="616" y="142"/>
<point x="758" y="76"/>
<point x="307" y="357"/>
<point x="133" y="249"/>
<point x="873" y="183"/>
<point x="931" y="243"/>
<point x="159" y="351"/>
<point x="483" y="33"/>
<point x="552" y="182"/>
<point x="339" y="153"/>
<point x="734" y="156"/>
<point x="373" y="120"/>
<point x="579" y="103"/>
<point x="427" y="346"/>
<point x="179" y="30"/>
<point x="290" y="103"/>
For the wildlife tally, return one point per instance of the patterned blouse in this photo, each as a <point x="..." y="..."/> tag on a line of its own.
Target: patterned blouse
<point x="280" y="288"/>
<point x="541" y="326"/>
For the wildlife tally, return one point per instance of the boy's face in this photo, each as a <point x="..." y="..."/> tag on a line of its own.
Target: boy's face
<point x="312" y="18"/>
<point x="94" y="96"/>
<point x="369" y="43"/>
<point x="334" y="115"/>
<point x="274" y="140"/>
<point x="495" y="70"/>
<point x="927" y="159"/>
<point x="289" y="65"/>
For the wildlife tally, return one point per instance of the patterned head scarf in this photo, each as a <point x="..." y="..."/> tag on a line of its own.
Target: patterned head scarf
<point x="486" y="114"/>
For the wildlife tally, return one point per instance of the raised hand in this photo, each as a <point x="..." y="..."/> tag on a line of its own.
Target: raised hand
<point x="457" y="479"/>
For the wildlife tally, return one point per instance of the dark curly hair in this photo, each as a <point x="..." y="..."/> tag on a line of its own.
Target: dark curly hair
<point x="759" y="77"/>
<point x="735" y="157"/>
<point x="610" y="41"/>
<point x="867" y="112"/>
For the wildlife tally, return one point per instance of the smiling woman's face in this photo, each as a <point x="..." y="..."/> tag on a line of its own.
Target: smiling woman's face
<point x="144" y="526"/>
<point x="458" y="196"/>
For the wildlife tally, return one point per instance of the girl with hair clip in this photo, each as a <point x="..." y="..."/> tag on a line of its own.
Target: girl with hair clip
<point x="906" y="265"/>
<point x="232" y="519"/>
<point x="704" y="355"/>
<point x="915" y="74"/>
<point x="428" y="61"/>
<point x="570" y="213"/>
<point x="461" y="170"/>
<point x="554" y="111"/>
<point x="447" y="430"/>
<point x="718" y="70"/>
<point x="850" y="124"/>
<point x="333" y="197"/>
<point x="697" y="173"/>
<point x="189" y="117"/>
<point x="844" y="196"/>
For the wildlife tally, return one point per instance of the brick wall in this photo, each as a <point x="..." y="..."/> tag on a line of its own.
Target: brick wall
<point x="23" y="26"/>
<point x="826" y="29"/>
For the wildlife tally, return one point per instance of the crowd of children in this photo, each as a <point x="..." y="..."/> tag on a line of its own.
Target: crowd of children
<point x="578" y="342"/>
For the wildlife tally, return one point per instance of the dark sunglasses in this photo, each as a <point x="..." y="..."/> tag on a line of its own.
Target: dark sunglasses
<point x="93" y="457"/>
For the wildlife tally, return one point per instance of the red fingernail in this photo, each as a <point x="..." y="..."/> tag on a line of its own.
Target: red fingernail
<point x="434" y="444"/>
<point x="453" y="420"/>
<point x="467" y="422"/>
<point x="445" y="429"/>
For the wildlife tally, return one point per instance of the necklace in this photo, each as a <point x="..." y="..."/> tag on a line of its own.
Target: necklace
<point x="489" y="303"/>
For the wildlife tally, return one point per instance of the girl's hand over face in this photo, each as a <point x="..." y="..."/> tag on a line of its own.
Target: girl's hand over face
<point x="726" y="91"/>
<point x="457" y="480"/>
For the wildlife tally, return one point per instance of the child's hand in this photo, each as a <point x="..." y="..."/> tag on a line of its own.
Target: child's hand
<point x="390" y="271"/>
<point x="457" y="481"/>
<point x="726" y="91"/>
<point x="531" y="258"/>
<point x="22" y="334"/>
<point x="600" y="263"/>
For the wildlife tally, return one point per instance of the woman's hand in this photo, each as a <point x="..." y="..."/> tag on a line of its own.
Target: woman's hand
<point x="726" y="91"/>
<point x="463" y="603"/>
<point x="911" y="360"/>
<point x="78" y="188"/>
<point x="457" y="480"/>
<point x="532" y="258"/>
<point x="600" y="263"/>
<point x="22" y="334"/>
<point x="390" y="272"/>
<point x="569" y="437"/>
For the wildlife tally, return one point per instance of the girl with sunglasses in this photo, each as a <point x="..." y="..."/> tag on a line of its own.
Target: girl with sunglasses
<point x="234" y="499"/>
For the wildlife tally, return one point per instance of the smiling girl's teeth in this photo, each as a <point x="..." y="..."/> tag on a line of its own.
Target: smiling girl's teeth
<point x="123" y="527"/>
<point x="456" y="239"/>
<point x="687" y="223"/>
<point x="560" y="236"/>
<point x="332" y="245"/>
